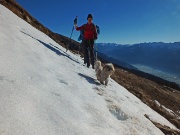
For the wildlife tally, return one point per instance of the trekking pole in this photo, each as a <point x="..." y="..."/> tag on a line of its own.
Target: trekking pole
<point x="69" y="40"/>
<point x="75" y="22"/>
<point x="96" y="50"/>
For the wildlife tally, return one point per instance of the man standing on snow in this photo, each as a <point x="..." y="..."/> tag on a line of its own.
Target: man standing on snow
<point x="90" y="35"/>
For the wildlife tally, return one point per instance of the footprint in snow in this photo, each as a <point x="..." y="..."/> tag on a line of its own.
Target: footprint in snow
<point x="117" y="112"/>
<point x="56" y="94"/>
<point x="108" y="100"/>
<point x="114" y="109"/>
<point x="99" y="91"/>
<point x="2" y="78"/>
<point x="62" y="81"/>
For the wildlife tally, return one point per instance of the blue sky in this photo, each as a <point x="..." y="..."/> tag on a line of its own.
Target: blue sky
<point x="120" y="21"/>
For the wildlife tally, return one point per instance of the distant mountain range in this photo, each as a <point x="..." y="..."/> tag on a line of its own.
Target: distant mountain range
<point x="157" y="58"/>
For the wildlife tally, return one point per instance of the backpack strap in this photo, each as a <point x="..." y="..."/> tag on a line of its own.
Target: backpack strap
<point x="93" y="27"/>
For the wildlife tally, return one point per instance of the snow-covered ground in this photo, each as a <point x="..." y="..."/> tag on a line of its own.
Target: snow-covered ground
<point x="46" y="91"/>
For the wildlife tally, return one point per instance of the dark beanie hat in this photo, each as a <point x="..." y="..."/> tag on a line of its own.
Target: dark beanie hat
<point x="90" y="16"/>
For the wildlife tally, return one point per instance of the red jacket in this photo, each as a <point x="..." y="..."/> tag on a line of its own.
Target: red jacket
<point x="89" y="31"/>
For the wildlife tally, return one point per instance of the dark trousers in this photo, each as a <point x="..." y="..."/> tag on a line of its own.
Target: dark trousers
<point x="88" y="52"/>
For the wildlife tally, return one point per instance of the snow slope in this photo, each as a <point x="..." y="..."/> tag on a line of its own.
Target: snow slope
<point x="46" y="91"/>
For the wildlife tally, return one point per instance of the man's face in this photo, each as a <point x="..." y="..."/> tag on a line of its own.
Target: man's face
<point x="89" y="20"/>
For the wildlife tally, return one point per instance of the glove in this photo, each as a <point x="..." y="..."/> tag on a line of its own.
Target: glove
<point x="95" y="38"/>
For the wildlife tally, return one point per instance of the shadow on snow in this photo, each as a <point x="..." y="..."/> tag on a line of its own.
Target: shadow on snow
<point x="53" y="48"/>
<point x="89" y="79"/>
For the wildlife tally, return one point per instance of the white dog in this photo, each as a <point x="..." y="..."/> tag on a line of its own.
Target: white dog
<point x="103" y="73"/>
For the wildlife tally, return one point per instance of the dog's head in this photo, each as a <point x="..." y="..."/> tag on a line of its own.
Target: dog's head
<point x="97" y="65"/>
<point x="109" y="69"/>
